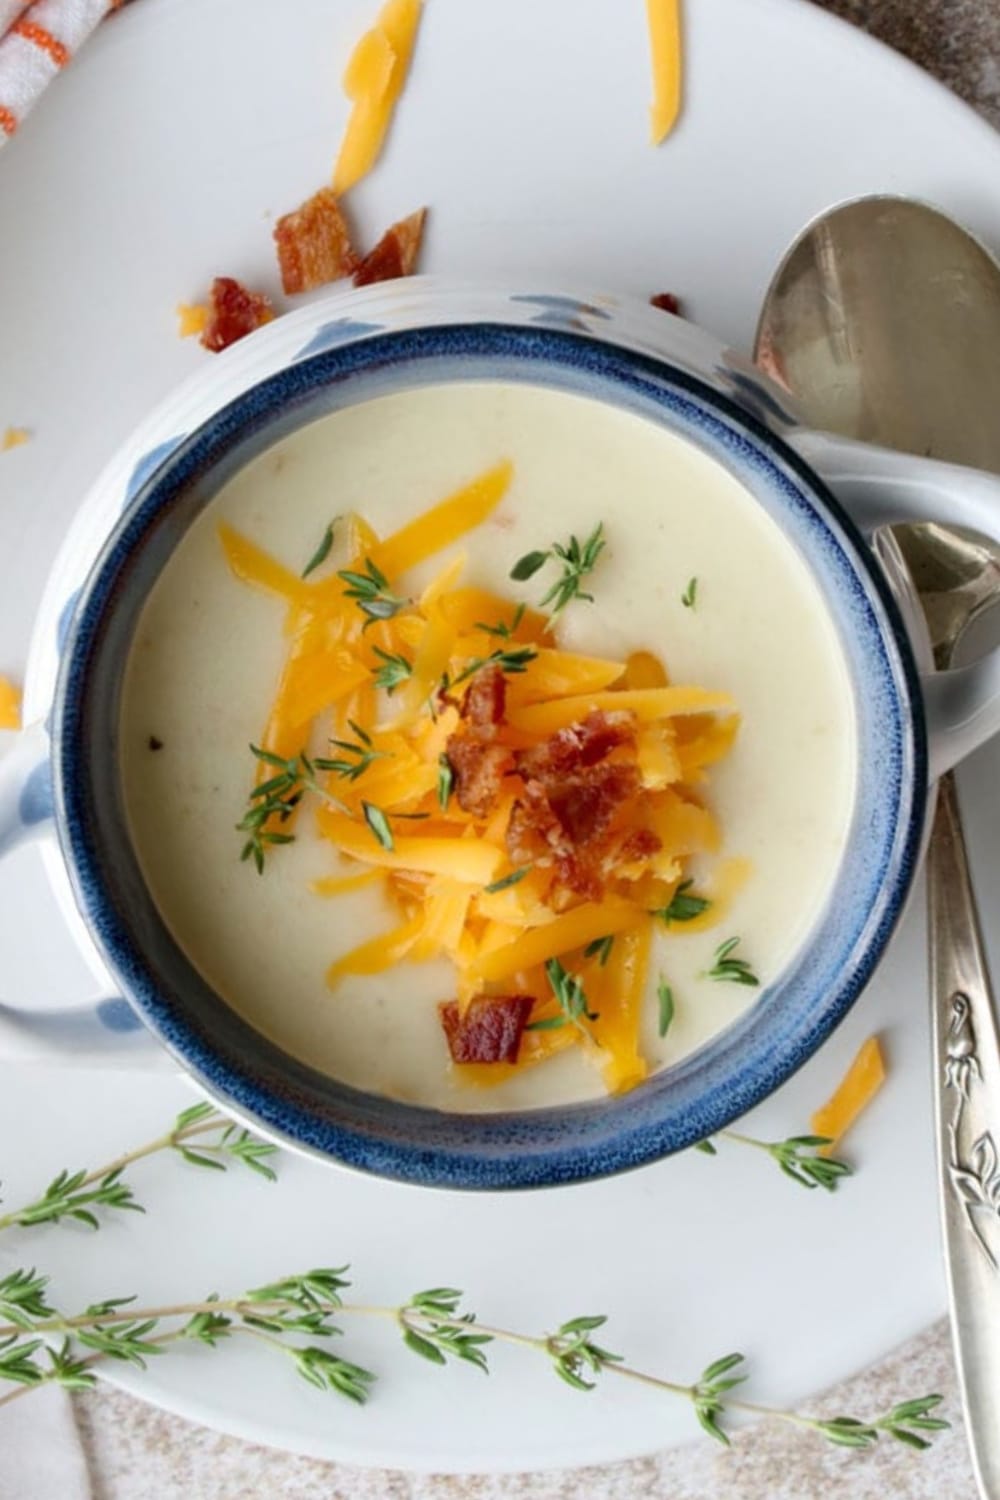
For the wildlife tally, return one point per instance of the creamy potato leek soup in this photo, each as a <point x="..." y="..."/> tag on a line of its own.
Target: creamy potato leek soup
<point x="487" y="746"/>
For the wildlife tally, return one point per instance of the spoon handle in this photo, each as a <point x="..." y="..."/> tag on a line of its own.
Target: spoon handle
<point x="967" y="1070"/>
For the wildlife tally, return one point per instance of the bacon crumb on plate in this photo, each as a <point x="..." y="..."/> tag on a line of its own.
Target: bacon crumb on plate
<point x="233" y="312"/>
<point x="491" y="1029"/>
<point x="667" y="302"/>
<point x="396" y="252"/>
<point x="314" y="244"/>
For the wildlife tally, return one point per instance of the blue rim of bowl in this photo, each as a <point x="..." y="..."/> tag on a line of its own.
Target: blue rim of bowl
<point x="562" y="1144"/>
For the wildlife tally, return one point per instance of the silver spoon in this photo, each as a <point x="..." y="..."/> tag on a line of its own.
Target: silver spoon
<point x="884" y="321"/>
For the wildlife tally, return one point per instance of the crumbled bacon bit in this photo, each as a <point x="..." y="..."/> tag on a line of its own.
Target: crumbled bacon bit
<point x="233" y="312"/>
<point x="586" y="804"/>
<point x="571" y="812"/>
<point x="485" y="701"/>
<point x="479" y="769"/>
<point x="314" y="244"/>
<point x="569" y="817"/>
<point x="667" y="302"/>
<point x="578" y="745"/>
<point x="396" y="252"/>
<point x="641" y="843"/>
<point x="491" y="1029"/>
<point x="478" y="762"/>
<point x="533" y="831"/>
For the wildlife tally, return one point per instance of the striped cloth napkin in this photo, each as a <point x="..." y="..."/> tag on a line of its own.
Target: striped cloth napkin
<point x="37" y="40"/>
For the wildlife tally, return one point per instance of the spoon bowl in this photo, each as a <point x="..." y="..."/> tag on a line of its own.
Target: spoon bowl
<point x="883" y="319"/>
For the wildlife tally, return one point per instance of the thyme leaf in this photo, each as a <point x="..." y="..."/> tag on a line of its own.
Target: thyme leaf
<point x="682" y="907"/>
<point x="600" y="949"/>
<point x="371" y="593"/>
<point x="506" y="881"/>
<point x="395" y="670"/>
<point x="445" y="780"/>
<point x="569" y="996"/>
<point x="665" y="1003"/>
<point x="322" y="552"/>
<point x="732" y="970"/>
<point x="379" y="825"/>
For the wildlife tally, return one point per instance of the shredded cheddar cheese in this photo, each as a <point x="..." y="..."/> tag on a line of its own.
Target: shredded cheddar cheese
<point x="14" y="437"/>
<point x="664" y="22"/>
<point x="853" y="1094"/>
<point x="373" y="81"/>
<point x="10" y="705"/>
<point x="402" y="809"/>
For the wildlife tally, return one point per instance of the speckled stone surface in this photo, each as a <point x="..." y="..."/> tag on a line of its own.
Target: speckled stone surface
<point x="136" y="1452"/>
<point x="956" y="40"/>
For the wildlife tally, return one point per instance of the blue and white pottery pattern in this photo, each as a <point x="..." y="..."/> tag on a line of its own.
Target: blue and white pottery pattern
<point x="547" y="1146"/>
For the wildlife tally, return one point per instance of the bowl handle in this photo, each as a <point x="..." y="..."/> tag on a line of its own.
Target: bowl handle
<point x="878" y="487"/>
<point x="107" y="1033"/>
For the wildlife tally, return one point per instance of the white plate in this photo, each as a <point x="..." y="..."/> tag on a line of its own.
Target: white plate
<point x="157" y="162"/>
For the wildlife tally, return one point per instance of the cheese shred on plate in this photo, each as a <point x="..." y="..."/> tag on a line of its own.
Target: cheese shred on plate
<point x="665" y="46"/>
<point x="528" y="813"/>
<point x="373" y="81"/>
<point x="853" y="1094"/>
<point x="10" y="705"/>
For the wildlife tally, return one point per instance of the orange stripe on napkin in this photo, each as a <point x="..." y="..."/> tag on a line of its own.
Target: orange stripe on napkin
<point x="8" y="120"/>
<point x="42" y="39"/>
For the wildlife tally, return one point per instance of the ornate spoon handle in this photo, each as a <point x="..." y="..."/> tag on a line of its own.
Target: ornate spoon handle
<point x="967" y="1070"/>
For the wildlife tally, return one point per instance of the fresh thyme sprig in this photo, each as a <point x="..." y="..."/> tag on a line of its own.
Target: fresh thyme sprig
<point x="371" y="592"/>
<point x="501" y="628"/>
<point x="682" y="907"/>
<point x="570" y="997"/>
<point x="76" y="1195"/>
<point x="394" y="671"/>
<point x="575" y="1355"/>
<point x="115" y="1330"/>
<point x="432" y="1326"/>
<point x="578" y="560"/>
<point x="277" y="798"/>
<point x="509" y="661"/>
<point x="729" y="969"/>
<point x="362" y="750"/>
<point x="905" y="1422"/>
<point x="799" y="1157"/>
<point x="690" y="595"/>
<point x="710" y="1391"/>
<point x="272" y="800"/>
<point x="233" y="1143"/>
